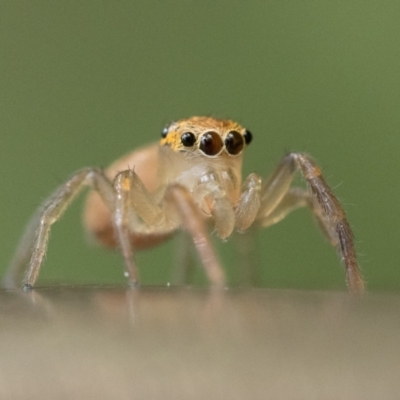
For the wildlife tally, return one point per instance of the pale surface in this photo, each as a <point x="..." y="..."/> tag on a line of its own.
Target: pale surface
<point x="169" y="343"/>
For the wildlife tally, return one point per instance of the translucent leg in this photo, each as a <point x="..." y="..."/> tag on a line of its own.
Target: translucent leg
<point x="33" y="244"/>
<point x="277" y="201"/>
<point x="181" y="201"/>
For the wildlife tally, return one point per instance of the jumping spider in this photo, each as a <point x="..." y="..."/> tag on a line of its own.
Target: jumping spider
<point x="191" y="177"/>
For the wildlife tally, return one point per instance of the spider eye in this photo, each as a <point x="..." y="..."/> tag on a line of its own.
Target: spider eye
<point x="234" y="142"/>
<point x="211" y="143"/>
<point x="188" y="139"/>
<point x="164" y="132"/>
<point x="248" y="137"/>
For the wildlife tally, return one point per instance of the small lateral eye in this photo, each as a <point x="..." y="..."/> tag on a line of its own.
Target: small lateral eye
<point x="248" y="137"/>
<point x="164" y="132"/>
<point x="211" y="143"/>
<point x="188" y="139"/>
<point x="234" y="142"/>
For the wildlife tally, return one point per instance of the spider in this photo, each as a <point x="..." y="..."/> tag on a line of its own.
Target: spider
<point x="190" y="178"/>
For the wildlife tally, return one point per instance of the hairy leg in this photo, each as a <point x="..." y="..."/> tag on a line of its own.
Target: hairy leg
<point x="277" y="200"/>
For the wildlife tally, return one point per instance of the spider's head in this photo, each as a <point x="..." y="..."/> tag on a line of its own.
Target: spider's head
<point x="206" y="136"/>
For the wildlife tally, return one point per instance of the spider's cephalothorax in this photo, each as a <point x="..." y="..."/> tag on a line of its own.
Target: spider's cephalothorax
<point x="190" y="179"/>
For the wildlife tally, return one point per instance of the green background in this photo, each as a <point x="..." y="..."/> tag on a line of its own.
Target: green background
<point x="82" y="83"/>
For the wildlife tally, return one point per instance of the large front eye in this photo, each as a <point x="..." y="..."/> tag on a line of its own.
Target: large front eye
<point x="188" y="139"/>
<point x="211" y="143"/>
<point x="234" y="142"/>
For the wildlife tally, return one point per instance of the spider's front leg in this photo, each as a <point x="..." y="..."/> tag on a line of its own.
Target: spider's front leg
<point x="180" y="201"/>
<point x="277" y="199"/>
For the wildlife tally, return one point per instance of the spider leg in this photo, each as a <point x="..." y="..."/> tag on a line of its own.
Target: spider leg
<point x="33" y="244"/>
<point x="123" y="186"/>
<point x="180" y="200"/>
<point x="184" y="260"/>
<point x="132" y="199"/>
<point x="294" y="198"/>
<point x="277" y="200"/>
<point x="248" y="262"/>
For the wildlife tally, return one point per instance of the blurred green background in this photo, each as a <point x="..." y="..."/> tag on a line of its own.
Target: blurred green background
<point x="82" y="83"/>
